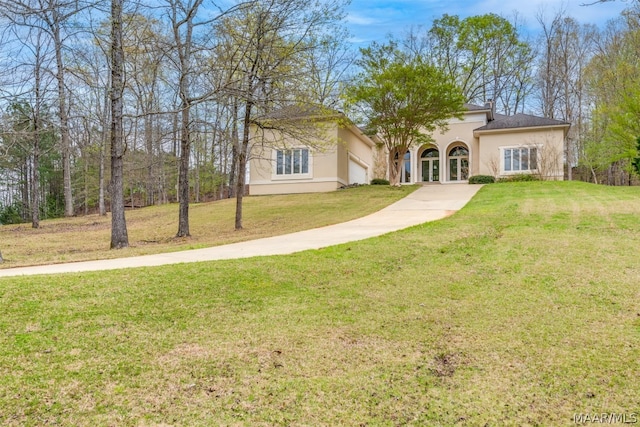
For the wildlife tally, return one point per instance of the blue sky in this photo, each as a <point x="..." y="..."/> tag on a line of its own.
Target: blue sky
<point x="370" y="20"/>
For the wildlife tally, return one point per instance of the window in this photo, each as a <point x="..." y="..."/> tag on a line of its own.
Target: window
<point x="292" y="162"/>
<point x="521" y="159"/>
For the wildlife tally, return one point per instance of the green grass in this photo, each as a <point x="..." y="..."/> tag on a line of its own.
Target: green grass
<point x="151" y="230"/>
<point x="521" y="309"/>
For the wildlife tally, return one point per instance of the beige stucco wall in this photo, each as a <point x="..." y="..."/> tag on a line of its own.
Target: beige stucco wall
<point x="485" y="154"/>
<point x="459" y="132"/>
<point x="549" y="142"/>
<point x="294" y="187"/>
<point x="329" y="163"/>
<point x="354" y="145"/>
<point x="330" y="155"/>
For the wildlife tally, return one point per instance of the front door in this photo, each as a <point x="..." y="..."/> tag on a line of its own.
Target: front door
<point x="459" y="164"/>
<point x="431" y="170"/>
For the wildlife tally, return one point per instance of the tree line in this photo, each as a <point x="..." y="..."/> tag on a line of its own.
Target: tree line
<point x="151" y="102"/>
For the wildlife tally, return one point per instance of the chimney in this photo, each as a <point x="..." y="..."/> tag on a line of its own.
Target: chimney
<point x="491" y="106"/>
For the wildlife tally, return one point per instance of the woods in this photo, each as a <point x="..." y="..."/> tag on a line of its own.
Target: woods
<point x="154" y="99"/>
<point x="197" y="75"/>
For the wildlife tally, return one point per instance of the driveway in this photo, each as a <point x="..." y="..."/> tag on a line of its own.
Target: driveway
<point x="428" y="203"/>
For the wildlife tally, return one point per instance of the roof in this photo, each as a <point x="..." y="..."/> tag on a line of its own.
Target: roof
<point x="301" y="111"/>
<point x="497" y="122"/>
<point x="310" y="112"/>
<point x="474" y="107"/>
<point x="520" y="121"/>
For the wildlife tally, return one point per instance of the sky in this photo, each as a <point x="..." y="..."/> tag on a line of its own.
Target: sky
<point x="373" y="20"/>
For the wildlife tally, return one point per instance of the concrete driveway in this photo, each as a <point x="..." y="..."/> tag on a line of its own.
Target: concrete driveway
<point x="428" y="203"/>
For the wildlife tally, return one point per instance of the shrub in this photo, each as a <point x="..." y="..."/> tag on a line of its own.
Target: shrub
<point x="379" y="181"/>
<point x="11" y="214"/>
<point x="482" y="179"/>
<point x="524" y="177"/>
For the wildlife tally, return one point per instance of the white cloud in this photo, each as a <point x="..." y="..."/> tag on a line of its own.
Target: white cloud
<point x="357" y="19"/>
<point x="374" y="19"/>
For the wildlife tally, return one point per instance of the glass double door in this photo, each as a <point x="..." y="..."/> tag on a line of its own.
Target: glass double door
<point x="458" y="169"/>
<point x="430" y="170"/>
<point x="458" y="164"/>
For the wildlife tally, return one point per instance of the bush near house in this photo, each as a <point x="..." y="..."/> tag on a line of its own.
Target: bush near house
<point x="482" y="179"/>
<point x="524" y="177"/>
<point x="379" y="181"/>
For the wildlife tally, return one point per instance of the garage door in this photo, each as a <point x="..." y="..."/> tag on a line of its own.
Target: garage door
<point x="357" y="173"/>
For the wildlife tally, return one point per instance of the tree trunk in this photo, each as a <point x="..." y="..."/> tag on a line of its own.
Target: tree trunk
<point x="103" y="144"/>
<point x="26" y="188"/>
<point x="242" y="164"/>
<point x="35" y="167"/>
<point x="64" y="120"/>
<point x="242" y="168"/>
<point x="101" y="206"/>
<point x="148" y="137"/>
<point x="593" y="173"/>
<point x="183" y="175"/>
<point x="196" y="185"/>
<point x="395" y="166"/>
<point x="233" y="170"/>
<point x="35" y="179"/>
<point x="119" y="237"/>
<point x="183" y="46"/>
<point x="234" y="149"/>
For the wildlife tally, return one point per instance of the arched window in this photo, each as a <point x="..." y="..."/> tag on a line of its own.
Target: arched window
<point x="431" y="152"/>
<point x="458" y="151"/>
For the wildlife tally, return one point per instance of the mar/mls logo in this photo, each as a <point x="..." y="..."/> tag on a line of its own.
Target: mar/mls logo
<point x="606" y="418"/>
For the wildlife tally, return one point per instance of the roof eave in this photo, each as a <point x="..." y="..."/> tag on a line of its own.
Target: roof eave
<point x="564" y="126"/>
<point x="363" y="136"/>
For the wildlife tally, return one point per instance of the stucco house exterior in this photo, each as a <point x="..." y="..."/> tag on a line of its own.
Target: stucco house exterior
<point x="485" y="143"/>
<point x="341" y="154"/>
<point x="481" y="142"/>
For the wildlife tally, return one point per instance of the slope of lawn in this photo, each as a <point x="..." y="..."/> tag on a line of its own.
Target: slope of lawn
<point x="152" y="229"/>
<point x="521" y="309"/>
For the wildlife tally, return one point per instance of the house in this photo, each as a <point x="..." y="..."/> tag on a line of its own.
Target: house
<point x="481" y="142"/>
<point x="336" y="154"/>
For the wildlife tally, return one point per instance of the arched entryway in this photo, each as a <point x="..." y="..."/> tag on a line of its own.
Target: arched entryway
<point x="430" y="165"/>
<point x="458" y="162"/>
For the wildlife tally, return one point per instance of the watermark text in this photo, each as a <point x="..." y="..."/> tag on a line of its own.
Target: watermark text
<point x="605" y="418"/>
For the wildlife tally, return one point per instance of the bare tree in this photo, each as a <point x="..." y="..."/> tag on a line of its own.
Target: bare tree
<point x="182" y="16"/>
<point x="566" y="49"/>
<point x="37" y="103"/>
<point x="119" y="236"/>
<point x="144" y="77"/>
<point x="266" y="43"/>
<point x="53" y="16"/>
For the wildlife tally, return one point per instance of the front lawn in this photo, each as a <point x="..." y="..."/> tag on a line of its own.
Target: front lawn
<point x="521" y="309"/>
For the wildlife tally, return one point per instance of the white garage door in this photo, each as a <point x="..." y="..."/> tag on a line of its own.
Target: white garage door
<point x="357" y="173"/>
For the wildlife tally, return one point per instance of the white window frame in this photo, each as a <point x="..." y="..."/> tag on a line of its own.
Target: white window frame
<point x="280" y="168"/>
<point x="520" y="150"/>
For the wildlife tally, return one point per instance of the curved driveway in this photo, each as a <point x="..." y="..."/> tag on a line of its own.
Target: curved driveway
<point x="427" y="203"/>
